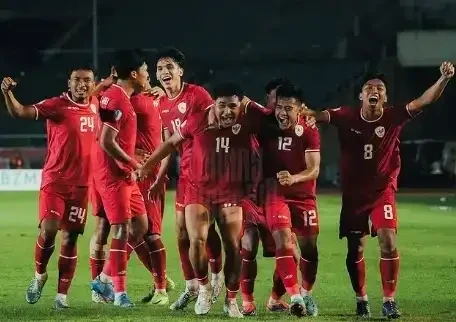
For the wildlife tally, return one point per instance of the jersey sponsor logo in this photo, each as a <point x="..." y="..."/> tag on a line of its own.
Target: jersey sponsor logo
<point x="299" y="130"/>
<point x="74" y="108"/>
<point x="117" y="115"/>
<point x="182" y="107"/>
<point x="93" y="108"/>
<point x="236" y="128"/>
<point x="380" y="131"/>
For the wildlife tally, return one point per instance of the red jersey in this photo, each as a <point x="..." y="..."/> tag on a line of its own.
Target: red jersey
<point x="286" y="151"/>
<point x="370" y="159"/>
<point x="174" y="112"/>
<point x="70" y="130"/>
<point x="221" y="156"/>
<point x="149" y="128"/>
<point x="115" y="103"/>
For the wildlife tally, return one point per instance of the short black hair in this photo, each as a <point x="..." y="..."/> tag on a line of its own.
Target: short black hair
<point x="85" y="67"/>
<point x="290" y="91"/>
<point x="275" y="83"/>
<point x="373" y="75"/>
<point x="173" y="53"/>
<point x="127" y="61"/>
<point x="228" y="89"/>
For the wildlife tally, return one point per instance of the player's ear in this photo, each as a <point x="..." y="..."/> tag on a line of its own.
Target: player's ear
<point x="386" y="98"/>
<point x="69" y="84"/>
<point x="360" y="96"/>
<point x="181" y="72"/>
<point x="134" y="74"/>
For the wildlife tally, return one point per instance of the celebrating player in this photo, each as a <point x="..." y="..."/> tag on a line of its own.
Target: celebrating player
<point x="294" y="159"/>
<point x="153" y="190"/>
<point x="119" y="195"/>
<point x="181" y="100"/>
<point x="370" y="165"/>
<point x="256" y="228"/>
<point x="70" y="121"/>
<point x="221" y="153"/>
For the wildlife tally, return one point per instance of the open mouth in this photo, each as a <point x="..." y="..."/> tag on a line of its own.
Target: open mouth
<point x="166" y="79"/>
<point x="227" y="120"/>
<point x="283" y="121"/>
<point x="81" y="92"/>
<point x="373" y="99"/>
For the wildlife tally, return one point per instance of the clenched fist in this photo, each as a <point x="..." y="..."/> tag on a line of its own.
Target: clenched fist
<point x="8" y="84"/>
<point x="447" y="70"/>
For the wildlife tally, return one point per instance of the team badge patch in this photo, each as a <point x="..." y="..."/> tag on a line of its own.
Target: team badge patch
<point x="182" y="107"/>
<point x="117" y="115"/>
<point x="380" y="131"/>
<point x="236" y="128"/>
<point x="299" y="130"/>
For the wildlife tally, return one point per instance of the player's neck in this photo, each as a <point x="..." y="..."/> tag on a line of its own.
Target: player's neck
<point x="126" y="86"/>
<point x="371" y="114"/>
<point x="173" y="92"/>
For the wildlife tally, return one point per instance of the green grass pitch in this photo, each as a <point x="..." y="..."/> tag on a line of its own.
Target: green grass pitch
<point x="427" y="286"/>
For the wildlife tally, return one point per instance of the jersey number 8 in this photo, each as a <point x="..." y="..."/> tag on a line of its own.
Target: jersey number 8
<point x="368" y="151"/>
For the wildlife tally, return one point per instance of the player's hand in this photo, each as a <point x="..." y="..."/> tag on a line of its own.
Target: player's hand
<point x="140" y="174"/>
<point x="447" y="70"/>
<point x="211" y="119"/>
<point x="141" y="155"/>
<point x="112" y="78"/>
<point x="285" y="178"/>
<point x="155" y="91"/>
<point x="311" y="121"/>
<point x="8" y="84"/>
<point x="156" y="187"/>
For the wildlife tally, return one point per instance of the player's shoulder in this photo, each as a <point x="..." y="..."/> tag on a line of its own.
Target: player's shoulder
<point x="195" y="89"/>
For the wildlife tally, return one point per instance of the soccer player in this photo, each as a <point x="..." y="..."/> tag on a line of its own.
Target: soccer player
<point x="182" y="99"/>
<point x="153" y="190"/>
<point x="118" y="192"/>
<point x="256" y="228"/>
<point x="370" y="165"/>
<point x="70" y="120"/>
<point x="221" y="152"/>
<point x="294" y="162"/>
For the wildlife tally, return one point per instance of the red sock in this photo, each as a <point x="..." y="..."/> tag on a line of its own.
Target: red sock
<point x="389" y="270"/>
<point x="287" y="269"/>
<point x="142" y="250"/>
<point x="118" y="262"/>
<point x="107" y="267"/>
<point x="67" y="266"/>
<point x="231" y="295"/>
<point x="96" y="263"/>
<point x="278" y="289"/>
<point x="43" y="252"/>
<point x="308" y="268"/>
<point x="214" y="251"/>
<point x="356" y="267"/>
<point x="158" y="257"/>
<point x="184" y="250"/>
<point x="248" y="274"/>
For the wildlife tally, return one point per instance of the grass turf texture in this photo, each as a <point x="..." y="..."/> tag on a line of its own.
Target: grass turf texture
<point x="426" y="288"/>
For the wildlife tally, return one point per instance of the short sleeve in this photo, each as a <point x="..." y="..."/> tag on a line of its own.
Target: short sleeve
<point x="48" y="109"/>
<point x="202" y="100"/>
<point x="112" y="113"/>
<point x="312" y="140"/>
<point x="337" y="116"/>
<point x="195" y="123"/>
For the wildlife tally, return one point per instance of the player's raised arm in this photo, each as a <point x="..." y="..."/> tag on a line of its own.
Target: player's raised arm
<point x="433" y="93"/>
<point x="16" y="109"/>
<point x="163" y="151"/>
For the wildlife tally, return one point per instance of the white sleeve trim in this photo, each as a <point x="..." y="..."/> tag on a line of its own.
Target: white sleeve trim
<point x="110" y="126"/>
<point x="408" y="110"/>
<point x="36" y="112"/>
<point x="312" y="150"/>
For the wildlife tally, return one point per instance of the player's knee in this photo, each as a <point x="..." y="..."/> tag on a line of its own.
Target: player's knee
<point x="120" y="231"/>
<point x="69" y="239"/>
<point x="250" y="240"/>
<point x="198" y="242"/>
<point x="48" y="234"/>
<point x="387" y="247"/>
<point x="283" y="238"/>
<point x="153" y="237"/>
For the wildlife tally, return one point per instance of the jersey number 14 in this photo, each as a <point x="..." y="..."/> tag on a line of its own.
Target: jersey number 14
<point x="222" y="143"/>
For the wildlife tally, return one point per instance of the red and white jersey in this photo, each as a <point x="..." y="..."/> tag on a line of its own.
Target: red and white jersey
<point x="115" y="102"/>
<point x="370" y="159"/>
<point x="175" y="111"/>
<point x="71" y="129"/>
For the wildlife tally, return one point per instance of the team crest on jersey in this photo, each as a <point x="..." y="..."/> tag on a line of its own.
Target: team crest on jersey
<point x="380" y="131"/>
<point x="299" y="130"/>
<point x="156" y="102"/>
<point x="117" y="115"/>
<point x="236" y="128"/>
<point x="93" y="108"/>
<point x="182" y="107"/>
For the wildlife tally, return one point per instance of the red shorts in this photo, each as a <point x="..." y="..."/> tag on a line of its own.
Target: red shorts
<point x="67" y="204"/>
<point x="212" y="202"/>
<point x="253" y="217"/>
<point x="155" y="206"/>
<point x="355" y="215"/>
<point x="180" y="193"/>
<point x="301" y="216"/>
<point x="118" y="202"/>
